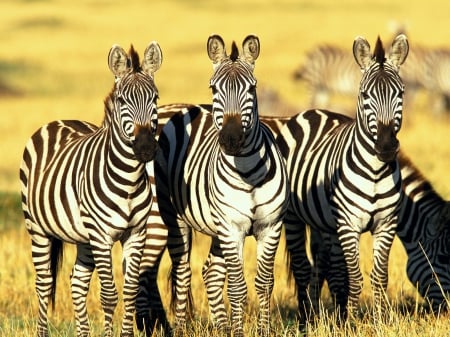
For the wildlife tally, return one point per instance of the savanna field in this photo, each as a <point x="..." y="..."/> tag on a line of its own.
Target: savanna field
<point x="53" y="65"/>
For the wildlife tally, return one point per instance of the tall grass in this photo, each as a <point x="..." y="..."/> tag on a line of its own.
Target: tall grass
<point x="53" y="66"/>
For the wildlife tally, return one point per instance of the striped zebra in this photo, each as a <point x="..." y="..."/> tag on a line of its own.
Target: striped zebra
<point x="329" y="70"/>
<point x="221" y="174"/>
<point x="424" y="230"/>
<point x="346" y="179"/>
<point x="87" y="185"/>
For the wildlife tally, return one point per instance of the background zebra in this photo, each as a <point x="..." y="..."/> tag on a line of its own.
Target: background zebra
<point x="423" y="229"/>
<point x="346" y="179"/>
<point x="221" y="173"/>
<point x="88" y="186"/>
<point x="329" y="71"/>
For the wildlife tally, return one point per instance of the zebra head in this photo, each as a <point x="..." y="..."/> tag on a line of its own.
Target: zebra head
<point x="134" y="98"/>
<point x="233" y="85"/>
<point x="380" y="99"/>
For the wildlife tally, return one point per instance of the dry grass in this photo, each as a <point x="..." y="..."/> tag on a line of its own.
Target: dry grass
<point x="53" y="66"/>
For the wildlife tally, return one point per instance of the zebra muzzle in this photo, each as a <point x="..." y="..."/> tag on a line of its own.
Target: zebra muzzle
<point x="387" y="144"/>
<point x="231" y="136"/>
<point x="144" y="144"/>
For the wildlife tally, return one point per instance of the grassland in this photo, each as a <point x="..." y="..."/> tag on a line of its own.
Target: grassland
<point x="53" y="66"/>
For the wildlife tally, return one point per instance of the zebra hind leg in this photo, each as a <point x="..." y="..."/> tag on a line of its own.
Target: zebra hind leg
<point x="47" y="256"/>
<point x="214" y="274"/>
<point x="80" y="280"/>
<point x="299" y="266"/>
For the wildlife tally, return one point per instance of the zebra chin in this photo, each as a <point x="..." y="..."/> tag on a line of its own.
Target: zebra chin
<point x="387" y="156"/>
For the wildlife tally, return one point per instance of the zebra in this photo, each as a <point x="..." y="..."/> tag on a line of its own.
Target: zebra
<point x="424" y="231"/>
<point x="328" y="70"/>
<point x="221" y="174"/>
<point x="346" y="179"/>
<point x="87" y="185"/>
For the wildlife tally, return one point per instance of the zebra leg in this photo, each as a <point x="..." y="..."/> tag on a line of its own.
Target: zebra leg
<point x="80" y="280"/>
<point x="231" y="243"/>
<point x="214" y="273"/>
<point x="40" y="250"/>
<point x="133" y="247"/>
<point x="149" y="307"/>
<point x="349" y="240"/>
<point x="320" y="254"/>
<point x="299" y="264"/>
<point x="268" y="239"/>
<point x="179" y="246"/>
<point x="382" y="243"/>
<point x="108" y="292"/>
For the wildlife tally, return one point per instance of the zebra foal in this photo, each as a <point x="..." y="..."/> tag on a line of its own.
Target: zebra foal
<point x="221" y="174"/>
<point x="346" y="179"/>
<point x="87" y="185"/>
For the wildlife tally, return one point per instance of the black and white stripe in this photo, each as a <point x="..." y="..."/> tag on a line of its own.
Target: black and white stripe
<point x="222" y="174"/>
<point x="88" y="186"/>
<point x="424" y="230"/>
<point x="345" y="178"/>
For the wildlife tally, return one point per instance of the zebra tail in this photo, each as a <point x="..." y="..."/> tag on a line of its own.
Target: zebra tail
<point x="56" y="257"/>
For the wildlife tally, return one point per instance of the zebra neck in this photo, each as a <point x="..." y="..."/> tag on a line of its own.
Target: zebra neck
<point x="363" y="148"/>
<point x="256" y="158"/>
<point x="121" y="164"/>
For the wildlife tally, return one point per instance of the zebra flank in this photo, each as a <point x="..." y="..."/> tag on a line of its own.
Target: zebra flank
<point x="220" y="172"/>
<point x="88" y="185"/>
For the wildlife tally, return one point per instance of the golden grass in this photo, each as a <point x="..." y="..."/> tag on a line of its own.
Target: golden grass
<point x="54" y="53"/>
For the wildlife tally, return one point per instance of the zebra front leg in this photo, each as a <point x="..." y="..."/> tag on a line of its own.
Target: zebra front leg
<point x="108" y="292"/>
<point x="232" y="248"/>
<point x="214" y="274"/>
<point x="80" y="280"/>
<point x="268" y="239"/>
<point x="133" y="248"/>
<point x="382" y="243"/>
<point x="350" y="246"/>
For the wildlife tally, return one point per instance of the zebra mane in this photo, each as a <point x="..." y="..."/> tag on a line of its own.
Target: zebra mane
<point x="234" y="52"/>
<point x="133" y="57"/>
<point x="378" y="53"/>
<point x="109" y="109"/>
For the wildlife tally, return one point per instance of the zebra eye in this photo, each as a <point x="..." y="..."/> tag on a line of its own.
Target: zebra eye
<point x="213" y="88"/>
<point x="364" y="95"/>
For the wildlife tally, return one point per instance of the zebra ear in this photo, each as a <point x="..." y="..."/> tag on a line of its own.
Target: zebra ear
<point x="250" y="48"/>
<point x="152" y="58"/>
<point x="399" y="50"/>
<point x="216" y="50"/>
<point x="361" y="52"/>
<point x="118" y="61"/>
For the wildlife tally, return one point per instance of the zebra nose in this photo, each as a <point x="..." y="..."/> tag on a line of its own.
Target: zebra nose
<point x="144" y="143"/>
<point x="231" y="136"/>
<point x="387" y="144"/>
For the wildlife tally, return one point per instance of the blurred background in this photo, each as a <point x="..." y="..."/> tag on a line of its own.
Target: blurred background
<point x="53" y="59"/>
